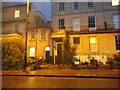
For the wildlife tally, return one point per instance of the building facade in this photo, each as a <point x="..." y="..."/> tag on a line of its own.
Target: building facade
<point x="93" y="27"/>
<point x="14" y="25"/>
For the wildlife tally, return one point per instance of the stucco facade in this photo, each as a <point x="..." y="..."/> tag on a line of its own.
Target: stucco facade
<point x="104" y="31"/>
<point x="12" y="26"/>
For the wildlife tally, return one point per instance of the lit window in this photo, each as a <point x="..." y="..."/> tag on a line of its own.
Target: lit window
<point x="115" y="2"/>
<point x="32" y="51"/>
<point x="93" y="44"/>
<point x="32" y="35"/>
<point x="61" y="6"/>
<point x="17" y="13"/>
<point x="116" y="21"/>
<point x="117" y="38"/>
<point x="76" y="40"/>
<point x="42" y="37"/>
<point x="16" y="28"/>
<point x="61" y="24"/>
<point x="75" y="6"/>
<point x="90" y="4"/>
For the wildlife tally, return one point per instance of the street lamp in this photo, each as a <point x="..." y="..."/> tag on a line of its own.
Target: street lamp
<point x="25" y="55"/>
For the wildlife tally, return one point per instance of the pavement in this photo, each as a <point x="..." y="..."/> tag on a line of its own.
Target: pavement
<point x="82" y="73"/>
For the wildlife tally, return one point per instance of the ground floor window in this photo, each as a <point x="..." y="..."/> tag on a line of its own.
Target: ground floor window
<point x="32" y="51"/>
<point x="117" y="38"/>
<point x="93" y="44"/>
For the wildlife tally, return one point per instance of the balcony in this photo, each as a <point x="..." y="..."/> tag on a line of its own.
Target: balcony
<point x="98" y="28"/>
<point x="8" y="32"/>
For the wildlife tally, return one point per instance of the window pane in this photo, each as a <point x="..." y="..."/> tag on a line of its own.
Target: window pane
<point x="92" y="40"/>
<point x="115" y="2"/>
<point x="90" y="4"/>
<point x="32" y="35"/>
<point x="117" y="42"/>
<point x="17" y="13"/>
<point x="61" y="24"/>
<point x="32" y="52"/>
<point x="75" y="5"/>
<point x="15" y="28"/>
<point x="76" y="40"/>
<point x="42" y="35"/>
<point x="91" y="21"/>
<point x="61" y="6"/>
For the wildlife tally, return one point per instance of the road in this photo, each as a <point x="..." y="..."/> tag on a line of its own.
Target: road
<point x="56" y="82"/>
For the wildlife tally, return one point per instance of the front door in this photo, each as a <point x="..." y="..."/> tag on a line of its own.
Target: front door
<point x="59" y="54"/>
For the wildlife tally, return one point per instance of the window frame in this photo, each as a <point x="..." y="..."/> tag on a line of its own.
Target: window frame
<point x="30" y="51"/>
<point x="92" y="22"/>
<point x="73" y="6"/>
<point x="14" y="28"/>
<point x="41" y="35"/>
<point x="77" y="41"/>
<point x="61" y="24"/>
<point x="15" y="13"/>
<point x="117" y="41"/>
<point x="93" y="45"/>
<point x="91" y="2"/>
<point x="61" y="8"/>
<point x="31" y="36"/>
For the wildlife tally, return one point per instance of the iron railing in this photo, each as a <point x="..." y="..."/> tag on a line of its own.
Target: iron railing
<point x="86" y="28"/>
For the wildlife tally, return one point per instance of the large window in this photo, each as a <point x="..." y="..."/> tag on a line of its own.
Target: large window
<point x="93" y="44"/>
<point x="61" y="24"/>
<point x="17" y="13"/>
<point x="32" y="51"/>
<point x="75" y="5"/>
<point x="61" y="6"/>
<point x="91" y="21"/>
<point x="116" y="21"/>
<point x="32" y="35"/>
<point x="76" y="24"/>
<point x="115" y="2"/>
<point x="90" y="4"/>
<point x="117" y="38"/>
<point x="76" y="40"/>
<point x="15" y="28"/>
<point x="42" y="36"/>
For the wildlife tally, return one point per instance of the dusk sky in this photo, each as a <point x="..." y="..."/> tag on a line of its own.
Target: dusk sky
<point x="44" y="7"/>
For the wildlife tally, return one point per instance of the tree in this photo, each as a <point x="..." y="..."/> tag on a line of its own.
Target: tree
<point x="68" y="51"/>
<point x="12" y="53"/>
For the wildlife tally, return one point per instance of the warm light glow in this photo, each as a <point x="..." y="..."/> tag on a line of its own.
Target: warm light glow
<point x="92" y="40"/>
<point x="77" y="62"/>
<point x="47" y="49"/>
<point x="115" y="2"/>
<point x="32" y="51"/>
<point x="17" y="13"/>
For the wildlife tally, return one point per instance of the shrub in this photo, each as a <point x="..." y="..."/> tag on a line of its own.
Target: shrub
<point x="12" y="53"/>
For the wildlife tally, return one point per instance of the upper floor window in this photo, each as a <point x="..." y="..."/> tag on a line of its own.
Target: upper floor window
<point x="90" y="4"/>
<point x="17" y="13"/>
<point x="117" y="38"/>
<point x="76" y="40"/>
<point x="61" y="6"/>
<point x="61" y="24"/>
<point x="115" y="2"/>
<point x="32" y="35"/>
<point x="75" y="5"/>
<point x="16" y="28"/>
<point x="116" y="21"/>
<point x="42" y="36"/>
<point x="91" y="21"/>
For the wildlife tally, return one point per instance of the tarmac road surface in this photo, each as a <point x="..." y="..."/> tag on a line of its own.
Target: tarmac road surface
<point x="56" y="82"/>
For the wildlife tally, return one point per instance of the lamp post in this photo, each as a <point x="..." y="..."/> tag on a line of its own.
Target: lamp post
<point x="27" y="22"/>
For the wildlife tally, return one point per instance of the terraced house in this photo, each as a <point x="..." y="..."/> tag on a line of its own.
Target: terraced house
<point x="93" y="27"/>
<point x="14" y="27"/>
